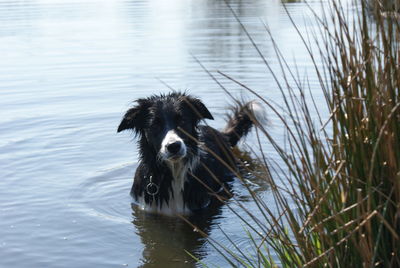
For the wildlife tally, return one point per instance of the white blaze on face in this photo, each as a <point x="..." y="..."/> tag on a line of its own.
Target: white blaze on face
<point x="170" y="138"/>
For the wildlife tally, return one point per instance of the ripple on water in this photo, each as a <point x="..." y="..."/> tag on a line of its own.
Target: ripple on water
<point x="106" y="194"/>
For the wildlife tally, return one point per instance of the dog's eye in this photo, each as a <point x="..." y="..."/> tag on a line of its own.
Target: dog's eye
<point x="185" y="123"/>
<point x="157" y="124"/>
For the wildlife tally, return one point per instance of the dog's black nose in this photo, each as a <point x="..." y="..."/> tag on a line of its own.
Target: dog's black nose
<point x="174" y="147"/>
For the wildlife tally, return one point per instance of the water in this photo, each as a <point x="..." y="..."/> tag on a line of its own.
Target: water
<point x="68" y="71"/>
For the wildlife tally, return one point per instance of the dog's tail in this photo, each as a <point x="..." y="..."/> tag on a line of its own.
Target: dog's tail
<point x="241" y="120"/>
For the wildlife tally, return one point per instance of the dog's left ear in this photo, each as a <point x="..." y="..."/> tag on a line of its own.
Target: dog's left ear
<point x="198" y="108"/>
<point x="135" y="117"/>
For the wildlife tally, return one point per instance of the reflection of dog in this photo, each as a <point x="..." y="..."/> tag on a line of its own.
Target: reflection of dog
<point x="182" y="162"/>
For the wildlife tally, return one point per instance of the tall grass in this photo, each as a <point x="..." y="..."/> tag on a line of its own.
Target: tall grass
<point x="337" y="196"/>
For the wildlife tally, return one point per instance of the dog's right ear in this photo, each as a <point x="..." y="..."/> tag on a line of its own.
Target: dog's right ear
<point x="198" y="108"/>
<point x="135" y="117"/>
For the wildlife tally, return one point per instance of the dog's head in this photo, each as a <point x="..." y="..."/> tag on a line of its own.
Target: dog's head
<point x="167" y="123"/>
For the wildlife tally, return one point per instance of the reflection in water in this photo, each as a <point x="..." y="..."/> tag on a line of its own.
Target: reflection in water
<point x="166" y="238"/>
<point x="227" y="46"/>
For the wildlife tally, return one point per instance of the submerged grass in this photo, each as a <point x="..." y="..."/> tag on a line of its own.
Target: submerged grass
<point x="337" y="196"/>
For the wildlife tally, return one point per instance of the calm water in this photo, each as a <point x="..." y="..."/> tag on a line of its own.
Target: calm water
<point x="68" y="71"/>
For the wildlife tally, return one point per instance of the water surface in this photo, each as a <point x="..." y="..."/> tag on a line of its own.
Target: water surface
<point x="68" y="71"/>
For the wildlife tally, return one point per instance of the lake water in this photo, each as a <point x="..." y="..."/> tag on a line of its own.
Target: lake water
<point x="68" y="71"/>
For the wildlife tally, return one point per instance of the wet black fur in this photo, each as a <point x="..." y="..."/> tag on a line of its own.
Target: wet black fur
<point x="151" y="118"/>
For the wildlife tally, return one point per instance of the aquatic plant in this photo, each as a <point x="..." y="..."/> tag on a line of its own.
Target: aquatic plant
<point x="336" y="190"/>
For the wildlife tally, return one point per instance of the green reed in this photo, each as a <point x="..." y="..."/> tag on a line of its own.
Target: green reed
<point x="337" y="194"/>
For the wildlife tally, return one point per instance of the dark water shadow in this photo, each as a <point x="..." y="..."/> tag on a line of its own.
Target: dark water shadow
<point x="167" y="239"/>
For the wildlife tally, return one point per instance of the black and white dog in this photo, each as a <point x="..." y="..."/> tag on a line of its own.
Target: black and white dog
<point x="182" y="164"/>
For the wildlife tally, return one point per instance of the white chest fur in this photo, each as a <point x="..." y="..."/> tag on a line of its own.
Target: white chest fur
<point x="175" y="203"/>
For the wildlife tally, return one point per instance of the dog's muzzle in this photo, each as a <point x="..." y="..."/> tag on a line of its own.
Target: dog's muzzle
<point x="172" y="147"/>
<point x="175" y="147"/>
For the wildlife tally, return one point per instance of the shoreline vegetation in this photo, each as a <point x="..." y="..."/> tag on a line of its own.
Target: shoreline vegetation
<point x="337" y="190"/>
